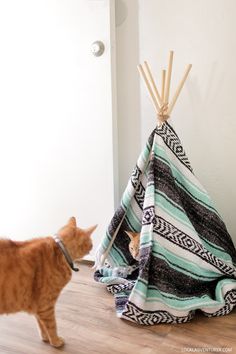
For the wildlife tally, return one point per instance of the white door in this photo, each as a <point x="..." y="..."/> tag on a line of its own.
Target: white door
<point x="56" y="116"/>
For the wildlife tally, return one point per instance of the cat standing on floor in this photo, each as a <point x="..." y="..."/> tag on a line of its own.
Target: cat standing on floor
<point x="33" y="273"/>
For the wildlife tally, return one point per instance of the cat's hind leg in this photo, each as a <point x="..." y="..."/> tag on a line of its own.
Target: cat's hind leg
<point x="42" y="332"/>
<point x="48" y="322"/>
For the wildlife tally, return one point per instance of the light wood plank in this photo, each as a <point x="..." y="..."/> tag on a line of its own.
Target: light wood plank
<point x="87" y="321"/>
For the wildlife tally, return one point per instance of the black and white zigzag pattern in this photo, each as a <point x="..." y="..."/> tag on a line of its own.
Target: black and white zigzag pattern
<point x="169" y="231"/>
<point x="117" y="288"/>
<point x="135" y="177"/>
<point x="230" y="302"/>
<point x="139" y="195"/>
<point x="135" y="314"/>
<point x="172" y="141"/>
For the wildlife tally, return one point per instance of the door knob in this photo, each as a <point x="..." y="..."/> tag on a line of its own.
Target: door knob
<point x="97" y="48"/>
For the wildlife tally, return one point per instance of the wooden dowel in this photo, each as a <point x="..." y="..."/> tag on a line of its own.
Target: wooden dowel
<point x="149" y="74"/>
<point x="163" y="80"/>
<point x="104" y="256"/>
<point x="179" y="88"/>
<point x="148" y="85"/>
<point x="168" y="79"/>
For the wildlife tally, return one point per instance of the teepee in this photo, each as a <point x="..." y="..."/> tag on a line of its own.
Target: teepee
<point x="186" y="258"/>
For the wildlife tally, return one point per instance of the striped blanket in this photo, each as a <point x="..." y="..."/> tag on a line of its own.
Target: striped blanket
<point x="187" y="258"/>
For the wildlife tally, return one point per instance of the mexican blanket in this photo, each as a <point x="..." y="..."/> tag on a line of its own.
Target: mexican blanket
<point x="187" y="258"/>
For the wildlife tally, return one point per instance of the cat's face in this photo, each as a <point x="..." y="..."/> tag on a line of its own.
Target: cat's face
<point x="134" y="244"/>
<point x="77" y="240"/>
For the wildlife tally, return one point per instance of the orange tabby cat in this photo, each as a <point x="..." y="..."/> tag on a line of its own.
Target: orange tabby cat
<point x="33" y="273"/>
<point x="134" y="244"/>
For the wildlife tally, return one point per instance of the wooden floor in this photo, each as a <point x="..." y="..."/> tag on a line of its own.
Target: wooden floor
<point x="87" y="321"/>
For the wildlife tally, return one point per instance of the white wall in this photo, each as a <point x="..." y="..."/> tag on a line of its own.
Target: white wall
<point x="128" y="97"/>
<point x="202" y="33"/>
<point x="56" y="141"/>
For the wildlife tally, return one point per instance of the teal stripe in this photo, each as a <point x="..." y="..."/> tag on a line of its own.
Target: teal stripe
<point x="188" y="303"/>
<point x="146" y="239"/>
<point x="219" y="253"/>
<point x="127" y="197"/>
<point x="166" y="204"/>
<point x="182" y="265"/>
<point x="160" y="151"/>
<point x="223" y="282"/>
<point x="169" y="208"/>
<point x="133" y="219"/>
<point x="116" y="255"/>
<point x="180" y="216"/>
<point x="200" y="196"/>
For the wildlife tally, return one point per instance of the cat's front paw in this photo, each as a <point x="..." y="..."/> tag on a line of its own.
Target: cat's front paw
<point x="58" y="342"/>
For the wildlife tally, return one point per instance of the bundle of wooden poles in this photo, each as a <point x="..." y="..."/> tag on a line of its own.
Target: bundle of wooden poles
<point x="163" y="106"/>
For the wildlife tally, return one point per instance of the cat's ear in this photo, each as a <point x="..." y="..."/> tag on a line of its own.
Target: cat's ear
<point x="129" y="234"/>
<point x="132" y="235"/>
<point x="90" y="230"/>
<point x="72" y="221"/>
